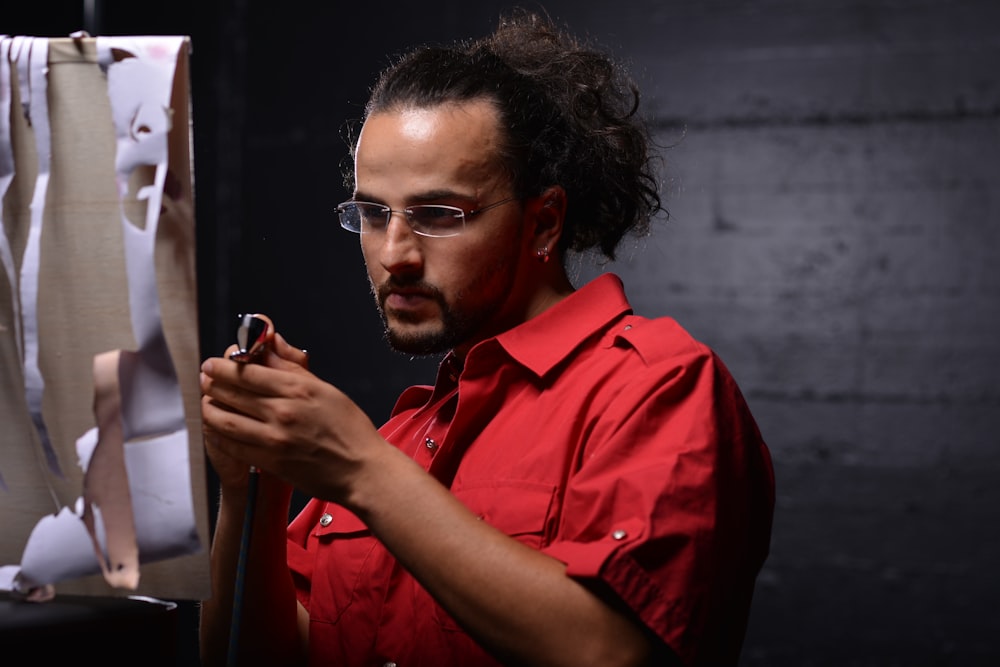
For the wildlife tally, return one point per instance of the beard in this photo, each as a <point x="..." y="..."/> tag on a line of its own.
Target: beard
<point x="453" y="330"/>
<point x="460" y="320"/>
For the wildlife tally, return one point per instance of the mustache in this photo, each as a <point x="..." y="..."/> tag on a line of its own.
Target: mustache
<point x="406" y="286"/>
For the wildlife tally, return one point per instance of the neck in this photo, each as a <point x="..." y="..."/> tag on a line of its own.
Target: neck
<point x="554" y="287"/>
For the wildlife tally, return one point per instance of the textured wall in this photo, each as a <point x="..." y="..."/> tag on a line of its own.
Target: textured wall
<point x="835" y="235"/>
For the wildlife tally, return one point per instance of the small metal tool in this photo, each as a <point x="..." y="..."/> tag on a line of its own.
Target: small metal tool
<point x="251" y="337"/>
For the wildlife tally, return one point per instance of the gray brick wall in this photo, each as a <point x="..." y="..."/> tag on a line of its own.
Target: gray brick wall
<point x="835" y="235"/>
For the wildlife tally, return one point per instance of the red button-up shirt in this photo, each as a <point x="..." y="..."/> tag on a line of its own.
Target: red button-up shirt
<point x="616" y="444"/>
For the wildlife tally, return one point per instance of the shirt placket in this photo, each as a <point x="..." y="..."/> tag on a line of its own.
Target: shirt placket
<point x="431" y="439"/>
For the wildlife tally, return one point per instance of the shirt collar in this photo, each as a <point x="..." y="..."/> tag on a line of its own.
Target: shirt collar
<point x="546" y="339"/>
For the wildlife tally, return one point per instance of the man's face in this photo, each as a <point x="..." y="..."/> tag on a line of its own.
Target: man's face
<point x="436" y="294"/>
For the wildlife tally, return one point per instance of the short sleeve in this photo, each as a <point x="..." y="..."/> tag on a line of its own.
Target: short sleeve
<point x="671" y="506"/>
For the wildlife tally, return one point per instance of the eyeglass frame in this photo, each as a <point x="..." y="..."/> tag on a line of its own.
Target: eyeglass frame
<point x="408" y="212"/>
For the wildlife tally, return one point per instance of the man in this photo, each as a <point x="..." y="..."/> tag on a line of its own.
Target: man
<point x="580" y="486"/>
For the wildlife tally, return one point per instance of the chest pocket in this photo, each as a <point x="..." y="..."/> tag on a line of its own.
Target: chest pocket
<point x="523" y="510"/>
<point x="520" y="509"/>
<point x="344" y="563"/>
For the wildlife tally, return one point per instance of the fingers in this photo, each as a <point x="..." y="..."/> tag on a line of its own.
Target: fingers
<point x="277" y="353"/>
<point x="227" y="380"/>
<point x="240" y="399"/>
<point x="228" y="431"/>
<point x="244" y="388"/>
<point x="289" y="353"/>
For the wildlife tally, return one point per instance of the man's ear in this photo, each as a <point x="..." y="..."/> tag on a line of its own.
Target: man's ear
<point x="549" y="215"/>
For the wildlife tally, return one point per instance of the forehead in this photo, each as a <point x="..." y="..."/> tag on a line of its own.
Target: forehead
<point x="418" y="149"/>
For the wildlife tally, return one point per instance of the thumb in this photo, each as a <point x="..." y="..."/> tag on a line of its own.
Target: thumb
<point x="288" y="353"/>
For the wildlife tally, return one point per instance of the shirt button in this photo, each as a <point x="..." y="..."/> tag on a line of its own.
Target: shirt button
<point x="430" y="444"/>
<point x="325" y="520"/>
<point x="389" y="664"/>
<point x="628" y="327"/>
<point x="619" y="534"/>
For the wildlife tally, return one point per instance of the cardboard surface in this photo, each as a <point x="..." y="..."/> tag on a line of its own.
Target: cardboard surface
<point x="84" y="309"/>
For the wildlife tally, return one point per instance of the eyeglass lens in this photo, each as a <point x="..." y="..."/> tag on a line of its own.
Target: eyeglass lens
<point x="429" y="220"/>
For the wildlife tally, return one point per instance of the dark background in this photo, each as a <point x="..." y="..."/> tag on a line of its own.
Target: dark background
<point x="832" y="178"/>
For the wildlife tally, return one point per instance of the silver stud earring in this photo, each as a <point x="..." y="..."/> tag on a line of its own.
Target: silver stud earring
<point x="542" y="254"/>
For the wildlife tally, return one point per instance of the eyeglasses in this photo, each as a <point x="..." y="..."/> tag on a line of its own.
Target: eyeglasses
<point x="434" y="220"/>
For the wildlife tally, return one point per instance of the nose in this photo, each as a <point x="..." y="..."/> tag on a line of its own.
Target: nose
<point x="400" y="250"/>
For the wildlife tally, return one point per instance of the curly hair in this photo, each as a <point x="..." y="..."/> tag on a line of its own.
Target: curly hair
<point x="568" y="114"/>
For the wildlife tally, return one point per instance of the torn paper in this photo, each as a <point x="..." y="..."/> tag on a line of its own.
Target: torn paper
<point x="109" y="364"/>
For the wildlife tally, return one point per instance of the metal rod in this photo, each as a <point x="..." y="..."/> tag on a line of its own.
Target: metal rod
<point x="241" y="571"/>
<point x="93" y="16"/>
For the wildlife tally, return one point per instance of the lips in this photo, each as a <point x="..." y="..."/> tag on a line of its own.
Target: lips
<point x="407" y="300"/>
<point x="410" y="301"/>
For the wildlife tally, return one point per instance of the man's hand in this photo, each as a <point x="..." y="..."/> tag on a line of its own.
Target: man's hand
<point x="277" y="416"/>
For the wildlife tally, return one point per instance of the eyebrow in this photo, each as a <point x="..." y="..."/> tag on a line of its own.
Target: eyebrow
<point x="426" y="196"/>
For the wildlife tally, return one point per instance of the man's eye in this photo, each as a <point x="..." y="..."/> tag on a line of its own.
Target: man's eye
<point x="372" y="215"/>
<point x="438" y="216"/>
